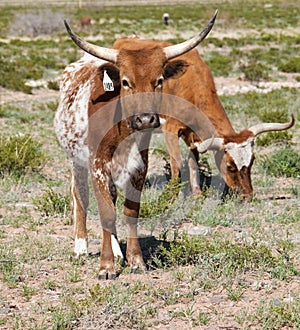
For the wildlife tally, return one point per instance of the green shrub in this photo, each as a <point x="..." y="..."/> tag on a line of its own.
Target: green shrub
<point x="12" y="77"/>
<point x="273" y="116"/>
<point x="254" y="71"/>
<point x="52" y="203"/>
<point x="283" y="163"/>
<point x="274" y="137"/>
<point x="219" y="64"/>
<point x="291" y="65"/>
<point x="223" y="257"/>
<point x="162" y="202"/>
<point x="276" y="314"/>
<point x="19" y="154"/>
<point x="52" y="84"/>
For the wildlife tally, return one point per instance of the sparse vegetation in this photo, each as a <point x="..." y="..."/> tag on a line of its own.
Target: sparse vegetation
<point x="212" y="263"/>
<point x="254" y="71"/>
<point x="19" y="154"/>
<point x="285" y="163"/>
<point x="52" y="203"/>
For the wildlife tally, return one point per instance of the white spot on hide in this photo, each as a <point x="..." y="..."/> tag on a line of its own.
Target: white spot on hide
<point x="124" y="169"/>
<point x="81" y="246"/>
<point x="116" y="247"/>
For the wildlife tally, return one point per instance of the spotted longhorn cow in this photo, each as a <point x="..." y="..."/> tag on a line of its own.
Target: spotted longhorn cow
<point x="233" y="151"/>
<point x="106" y="131"/>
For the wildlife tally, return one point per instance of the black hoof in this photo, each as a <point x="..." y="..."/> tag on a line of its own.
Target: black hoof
<point x="102" y="276"/>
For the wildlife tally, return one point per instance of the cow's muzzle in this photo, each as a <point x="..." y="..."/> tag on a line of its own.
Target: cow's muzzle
<point x="144" y="121"/>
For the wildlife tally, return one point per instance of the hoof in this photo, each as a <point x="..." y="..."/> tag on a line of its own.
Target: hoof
<point x="138" y="270"/>
<point x="105" y="275"/>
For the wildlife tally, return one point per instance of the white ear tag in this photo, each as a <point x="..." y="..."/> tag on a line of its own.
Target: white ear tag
<point x="108" y="85"/>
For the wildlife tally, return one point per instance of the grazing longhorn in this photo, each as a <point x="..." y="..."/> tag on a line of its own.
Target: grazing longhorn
<point x="85" y="22"/>
<point x="109" y="105"/>
<point x="233" y="151"/>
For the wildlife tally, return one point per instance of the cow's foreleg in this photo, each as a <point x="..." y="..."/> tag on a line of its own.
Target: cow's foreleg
<point x="194" y="171"/>
<point x="79" y="201"/>
<point x="174" y="152"/>
<point x="106" y="198"/>
<point x="133" y="252"/>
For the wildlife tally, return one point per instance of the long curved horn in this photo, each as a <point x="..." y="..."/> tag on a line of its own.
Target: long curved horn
<point x="210" y="144"/>
<point x="267" y="127"/>
<point x="107" y="54"/>
<point x="184" y="47"/>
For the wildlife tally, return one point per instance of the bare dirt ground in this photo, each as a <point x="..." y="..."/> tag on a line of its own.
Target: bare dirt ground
<point x="37" y="307"/>
<point x="215" y="303"/>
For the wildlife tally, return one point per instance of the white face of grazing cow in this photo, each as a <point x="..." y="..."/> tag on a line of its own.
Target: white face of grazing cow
<point x="241" y="153"/>
<point x="234" y="155"/>
<point x="235" y="161"/>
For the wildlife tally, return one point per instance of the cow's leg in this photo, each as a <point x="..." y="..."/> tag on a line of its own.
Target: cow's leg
<point x="133" y="252"/>
<point x="194" y="171"/>
<point x="131" y="211"/>
<point x="79" y="190"/>
<point x="172" y="142"/>
<point x="106" y="197"/>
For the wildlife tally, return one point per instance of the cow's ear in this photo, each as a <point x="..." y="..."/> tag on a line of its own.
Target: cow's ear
<point x="112" y="72"/>
<point x="175" y="69"/>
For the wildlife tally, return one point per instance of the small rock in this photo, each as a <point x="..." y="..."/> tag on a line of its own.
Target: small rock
<point x="199" y="230"/>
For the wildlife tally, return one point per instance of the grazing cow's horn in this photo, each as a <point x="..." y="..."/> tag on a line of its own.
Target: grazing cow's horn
<point x="107" y="54"/>
<point x="184" y="47"/>
<point x="267" y="127"/>
<point x="210" y="144"/>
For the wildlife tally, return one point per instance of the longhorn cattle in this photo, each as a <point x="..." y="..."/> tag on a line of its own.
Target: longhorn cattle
<point x="109" y="105"/>
<point x="85" y="22"/>
<point x="233" y="151"/>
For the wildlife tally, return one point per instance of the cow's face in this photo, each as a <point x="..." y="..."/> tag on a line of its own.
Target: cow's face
<point x="142" y="75"/>
<point x="234" y="155"/>
<point x="139" y="83"/>
<point x="235" y="161"/>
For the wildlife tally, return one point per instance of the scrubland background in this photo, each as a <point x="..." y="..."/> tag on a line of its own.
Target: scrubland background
<point x="212" y="264"/>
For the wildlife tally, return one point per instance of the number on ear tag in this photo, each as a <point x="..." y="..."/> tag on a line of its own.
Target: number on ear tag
<point x="108" y="85"/>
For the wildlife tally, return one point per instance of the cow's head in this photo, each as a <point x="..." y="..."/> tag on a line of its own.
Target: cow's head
<point x="234" y="155"/>
<point x="141" y="67"/>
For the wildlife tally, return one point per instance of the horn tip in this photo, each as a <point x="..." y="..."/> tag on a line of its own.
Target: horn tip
<point x="292" y="119"/>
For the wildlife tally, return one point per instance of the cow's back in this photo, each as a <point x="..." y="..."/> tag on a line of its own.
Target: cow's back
<point x="197" y="87"/>
<point x="71" y="119"/>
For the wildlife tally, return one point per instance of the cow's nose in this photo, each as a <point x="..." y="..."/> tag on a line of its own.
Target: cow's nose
<point x="144" y="121"/>
<point x="246" y="197"/>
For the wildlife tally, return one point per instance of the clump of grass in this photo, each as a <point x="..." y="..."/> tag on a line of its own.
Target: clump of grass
<point x="275" y="116"/>
<point x="275" y="315"/>
<point x="11" y="78"/>
<point x="274" y="137"/>
<point x="223" y="257"/>
<point x="254" y="71"/>
<point x="20" y="154"/>
<point x="10" y="268"/>
<point x="284" y="162"/>
<point x="52" y="203"/>
<point x="220" y="64"/>
<point x="52" y="84"/>
<point x="292" y="65"/>
<point x="163" y="201"/>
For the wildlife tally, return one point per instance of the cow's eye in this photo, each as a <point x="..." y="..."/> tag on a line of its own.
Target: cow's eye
<point x="231" y="167"/>
<point x="159" y="82"/>
<point x="125" y="83"/>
